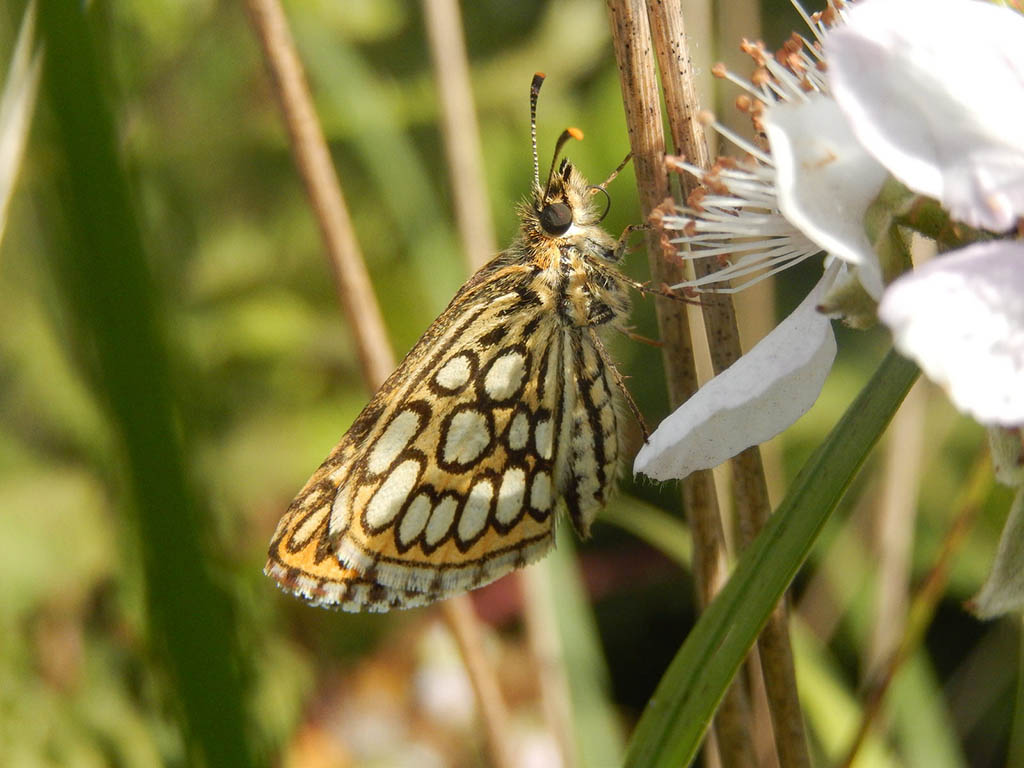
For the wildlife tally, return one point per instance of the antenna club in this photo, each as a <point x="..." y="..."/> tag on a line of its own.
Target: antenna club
<point x="575" y="133"/>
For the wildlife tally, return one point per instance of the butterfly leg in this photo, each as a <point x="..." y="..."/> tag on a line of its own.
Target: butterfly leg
<point x="632" y="336"/>
<point x="664" y="291"/>
<point x="619" y="382"/>
<point x="622" y="244"/>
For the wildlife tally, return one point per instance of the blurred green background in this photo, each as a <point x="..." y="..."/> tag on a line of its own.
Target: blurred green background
<point x="264" y="379"/>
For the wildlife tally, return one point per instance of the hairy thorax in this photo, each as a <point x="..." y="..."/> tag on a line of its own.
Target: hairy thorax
<point x="578" y="273"/>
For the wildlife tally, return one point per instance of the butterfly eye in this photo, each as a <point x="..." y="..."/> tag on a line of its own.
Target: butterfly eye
<point x="556" y="218"/>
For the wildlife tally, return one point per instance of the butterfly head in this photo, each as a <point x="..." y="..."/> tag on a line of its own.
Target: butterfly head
<point x="564" y="205"/>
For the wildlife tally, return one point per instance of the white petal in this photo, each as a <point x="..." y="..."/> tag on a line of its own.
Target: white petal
<point x="961" y="318"/>
<point x="935" y="90"/>
<point x="826" y="180"/>
<point x="758" y="396"/>
<point x="1004" y="589"/>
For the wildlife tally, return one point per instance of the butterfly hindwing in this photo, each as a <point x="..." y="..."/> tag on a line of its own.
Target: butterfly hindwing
<point x="589" y="468"/>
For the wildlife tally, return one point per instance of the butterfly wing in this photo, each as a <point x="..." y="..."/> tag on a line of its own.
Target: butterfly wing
<point x="447" y="479"/>
<point x="588" y="463"/>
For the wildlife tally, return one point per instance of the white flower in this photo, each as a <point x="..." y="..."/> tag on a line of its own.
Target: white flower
<point x="935" y="90"/>
<point x="807" y="196"/>
<point x="826" y="180"/>
<point x="961" y="318"/>
<point x="931" y="91"/>
<point x="767" y="213"/>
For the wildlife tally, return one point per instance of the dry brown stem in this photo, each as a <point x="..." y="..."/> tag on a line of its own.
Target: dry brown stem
<point x="461" y="132"/>
<point x="634" y="52"/>
<point x="750" y="490"/>
<point x="351" y="280"/>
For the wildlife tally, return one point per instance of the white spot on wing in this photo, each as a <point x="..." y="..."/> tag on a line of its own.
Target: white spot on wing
<point x="505" y="376"/>
<point x="510" y="496"/>
<point x="414" y="519"/>
<point x="543" y="437"/>
<point x="305" y="531"/>
<point x="440" y="520"/>
<point x="519" y="432"/>
<point x="608" y="421"/>
<point x="540" y="492"/>
<point x="341" y="513"/>
<point x="468" y="434"/>
<point x="454" y="374"/>
<point x="397" y="435"/>
<point x="392" y="494"/>
<point x="475" y="510"/>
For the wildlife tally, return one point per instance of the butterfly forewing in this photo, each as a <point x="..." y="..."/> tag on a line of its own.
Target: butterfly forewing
<point x="448" y="478"/>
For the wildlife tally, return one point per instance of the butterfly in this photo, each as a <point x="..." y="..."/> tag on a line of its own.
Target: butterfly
<point x="502" y="415"/>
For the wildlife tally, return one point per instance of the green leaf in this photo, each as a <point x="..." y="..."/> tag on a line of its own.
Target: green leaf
<point x="926" y="732"/>
<point x="652" y="525"/>
<point x="565" y="635"/>
<point x="833" y="712"/>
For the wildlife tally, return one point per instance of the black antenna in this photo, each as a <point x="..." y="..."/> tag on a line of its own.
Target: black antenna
<point x="538" y="81"/>
<point x="568" y="133"/>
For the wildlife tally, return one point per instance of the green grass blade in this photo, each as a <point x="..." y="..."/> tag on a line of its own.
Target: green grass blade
<point x="111" y="306"/>
<point x="599" y="734"/>
<point x="925" y="730"/>
<point x="677" y="716"/>
<point x="832" y="710"/>
<point x="653" y="525"/>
